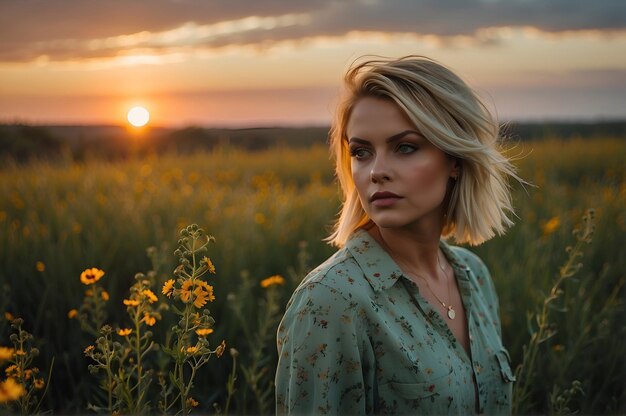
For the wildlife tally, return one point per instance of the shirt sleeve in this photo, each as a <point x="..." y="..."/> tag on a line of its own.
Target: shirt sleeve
<point x="319" y="367"/>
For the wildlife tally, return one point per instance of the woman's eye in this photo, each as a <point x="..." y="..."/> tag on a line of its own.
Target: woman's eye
<point x="359" y="153"/>
<point x="406" y="148"/>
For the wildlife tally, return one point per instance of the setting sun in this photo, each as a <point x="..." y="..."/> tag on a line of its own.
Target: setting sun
<point x="138" y="116"/>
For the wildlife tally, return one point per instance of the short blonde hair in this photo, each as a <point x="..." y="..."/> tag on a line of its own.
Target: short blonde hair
<point x="452" y="117"/>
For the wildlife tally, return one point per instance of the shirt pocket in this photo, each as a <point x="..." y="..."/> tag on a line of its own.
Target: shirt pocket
<point x="431" y="396"/>
<point x="501" y="385"/>
<point x="504" y="362"/>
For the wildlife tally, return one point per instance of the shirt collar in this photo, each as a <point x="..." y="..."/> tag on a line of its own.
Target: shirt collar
<point x="380" y="270"/>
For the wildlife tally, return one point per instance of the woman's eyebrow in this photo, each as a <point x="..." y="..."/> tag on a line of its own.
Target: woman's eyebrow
<point x="388" y="139"/>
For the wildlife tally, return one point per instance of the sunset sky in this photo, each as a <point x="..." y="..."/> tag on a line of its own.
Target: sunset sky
<point x="280" y="62"/>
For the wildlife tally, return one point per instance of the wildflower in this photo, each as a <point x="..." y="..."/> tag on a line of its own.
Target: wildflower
<point x="551" y="226"/>
<point x="148" y="319"/>
<point x="201" y="297"/>
<point x="150" y="295"/>
<point x="91" y="276"/>
<point x="272" y="280"/>
<point x="28" y="373"/>
<point x="209" y="264"/>
<point x="6" y="353"/>
<point x="8" y="316"/>
<point x="40" y="266"/>
<point x="131" y="302"/>
<point x="124" y="332"/>
<point x="192" y="350"/>
<point x="168" y="288"/>
<point x="558" y="348"/>
<point x="20" y="353"/>
<point x="10" y="390"/>
<point x="203" y="332"/>
<point x="191" y="402"/>
<point x="12" y="371"/>
<point x="105" y="295"/>
<point x="185" y="291"/>
<point x="73" y="313"/>
<point x="38" y="383"/>
<point x="88" y="349"/>
<point x="220" y="349"/>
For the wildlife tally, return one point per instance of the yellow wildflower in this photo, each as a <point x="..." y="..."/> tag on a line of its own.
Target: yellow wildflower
<point x="8" y="316"/>
<point x="148" y="319"/>
<point x="88" y="349"/>
<point x="168" y="288"/>
<point x="150" y="295"/>
<point x="209" y="264"/>
<point x="558" y="348"/>
<point x="185" y="291"/>
<point x="38" y="383"/>
<point x="28" y="373"/>
<point x="131" y="302"/>
<point x="105" y="295"/>
<point x="6" y="353"/>
<point x="550" y="226"/>
<point x="192" y="350"/>
<point x="272" y="280"/>
<point x="21" y="353"/>
<point x="208" y="288"/>
<point x="124" y="332"/>
<point x="73" y="313"/>
<point x="10" y="390"/>
<point x="201" y="297"/>
<point x="192" y="402"/>
<point x="12" y="370"/>
<point x="40" y="266"/>
<point x="203" y="332"/>
<point x="91" y="276"/>
<point x="220" y="349"/>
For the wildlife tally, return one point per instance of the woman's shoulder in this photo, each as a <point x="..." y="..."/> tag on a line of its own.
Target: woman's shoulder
<point x="340" y="275"/>
<point x="469" y="259"/>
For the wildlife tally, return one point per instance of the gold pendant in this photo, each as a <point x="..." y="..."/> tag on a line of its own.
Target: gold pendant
<point x="451" y="313"/>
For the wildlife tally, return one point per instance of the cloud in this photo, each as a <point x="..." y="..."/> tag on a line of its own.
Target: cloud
<point x="77" y="29"/>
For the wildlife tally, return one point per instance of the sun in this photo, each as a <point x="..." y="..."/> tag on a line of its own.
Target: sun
<point x="138" y="116"/>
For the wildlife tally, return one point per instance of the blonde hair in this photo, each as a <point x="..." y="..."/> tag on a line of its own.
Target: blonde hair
<point x="451" y="116"/>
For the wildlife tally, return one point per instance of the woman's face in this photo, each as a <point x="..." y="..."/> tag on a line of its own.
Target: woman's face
<point x="401" y="178"/>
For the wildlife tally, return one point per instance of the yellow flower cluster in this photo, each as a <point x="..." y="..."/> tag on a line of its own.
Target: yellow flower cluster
<point x="91" y="276"/>
<point x="272" y="280"/>
<point x="10" y="390"/>
<point x="198" y="291"/>
<point x="6" y="353"/>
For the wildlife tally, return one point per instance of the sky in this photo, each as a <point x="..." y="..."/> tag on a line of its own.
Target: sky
<point x="236" y="63"/>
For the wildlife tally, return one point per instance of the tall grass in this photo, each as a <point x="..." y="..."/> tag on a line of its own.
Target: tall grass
<point x="56" y="220"/>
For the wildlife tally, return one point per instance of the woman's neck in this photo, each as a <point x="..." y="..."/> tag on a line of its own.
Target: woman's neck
<point x="415" y="252"/>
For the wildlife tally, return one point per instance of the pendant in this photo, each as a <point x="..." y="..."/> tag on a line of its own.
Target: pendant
<point x="451" y="313"/>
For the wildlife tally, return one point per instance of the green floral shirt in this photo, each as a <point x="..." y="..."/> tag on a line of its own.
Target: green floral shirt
<point x="357" y="338"/>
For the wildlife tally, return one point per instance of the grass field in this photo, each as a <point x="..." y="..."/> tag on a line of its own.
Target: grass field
<point x="58" y="219"/>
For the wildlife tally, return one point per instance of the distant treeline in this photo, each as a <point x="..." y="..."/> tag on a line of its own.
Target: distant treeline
<point x="21" y="142"/>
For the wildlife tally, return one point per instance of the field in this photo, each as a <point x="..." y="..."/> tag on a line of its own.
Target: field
<point x="269" y="212"/>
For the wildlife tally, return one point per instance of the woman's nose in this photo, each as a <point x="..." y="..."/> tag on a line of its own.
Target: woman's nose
<point x="380" y="171"/>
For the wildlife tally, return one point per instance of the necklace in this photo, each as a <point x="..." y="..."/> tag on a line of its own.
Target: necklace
<point x="450" y="310"/>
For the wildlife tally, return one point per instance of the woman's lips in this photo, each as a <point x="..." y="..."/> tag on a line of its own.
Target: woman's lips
<point x="384" y="199"/>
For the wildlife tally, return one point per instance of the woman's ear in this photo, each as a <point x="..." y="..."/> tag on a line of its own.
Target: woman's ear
<point x="456" y="168"/>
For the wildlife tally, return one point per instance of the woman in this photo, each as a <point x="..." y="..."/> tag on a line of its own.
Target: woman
<point x="398" y="321"/>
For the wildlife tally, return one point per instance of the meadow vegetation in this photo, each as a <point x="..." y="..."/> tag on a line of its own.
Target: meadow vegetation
<point x="268" y="212"/>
